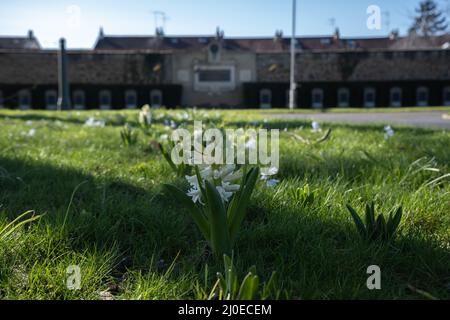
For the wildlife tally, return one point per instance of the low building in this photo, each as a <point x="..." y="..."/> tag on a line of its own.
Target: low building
<point x="216" y="71"/>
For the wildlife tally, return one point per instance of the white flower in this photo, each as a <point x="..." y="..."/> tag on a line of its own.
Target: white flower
<point x="196" y="195"/>
<point x="29" y="123"/>
<point x="222" y="179"/>
<point x="164" y="137"/>
<point x="315" y="127"/>
<point x="205" y="174"/>
<point x="224" y="194"/>
<point x="91" y="122"/>
<point x="268" y="172"/>
<point x="173" y="125"/>
<point x="388" y="132"/>
<point x="182" y="116"/>
<point x="32" y="132"/>
<point x="145" y="116"/>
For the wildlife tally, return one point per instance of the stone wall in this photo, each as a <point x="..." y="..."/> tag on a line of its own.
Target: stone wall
<point x="357" y="66"/>
<point x="84" y="68"/>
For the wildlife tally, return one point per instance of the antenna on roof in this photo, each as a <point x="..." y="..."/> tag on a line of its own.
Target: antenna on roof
<point x="387" y="19"/>
<point x="332" y="23"/>
<point x="220" y="34"/>
<point x="160" y="21"/>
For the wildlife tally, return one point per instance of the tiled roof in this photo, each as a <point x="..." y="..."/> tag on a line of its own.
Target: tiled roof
<point x="15" y="43"/>
<point x="260" y="45"/>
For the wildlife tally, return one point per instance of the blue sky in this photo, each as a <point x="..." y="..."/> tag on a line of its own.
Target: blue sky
<point x="79" y="20"/>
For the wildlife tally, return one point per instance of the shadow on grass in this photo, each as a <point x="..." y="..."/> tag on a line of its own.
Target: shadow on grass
<point x="314" y="257"/>
<point x="112" y="119"/>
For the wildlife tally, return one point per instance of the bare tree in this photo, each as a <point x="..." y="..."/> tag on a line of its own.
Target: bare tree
<point x="430" y="20"/>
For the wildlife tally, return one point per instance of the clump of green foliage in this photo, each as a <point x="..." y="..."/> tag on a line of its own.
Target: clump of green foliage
<point x="377" y="228"/>
<point x="304" y="196"/>
<point x="129" y="136"/>
<point x="228" y="286"/>
<point x="219" y="223"/>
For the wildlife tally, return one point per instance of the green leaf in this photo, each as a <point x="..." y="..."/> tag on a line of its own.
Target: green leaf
<point x="223" y="286"/>
<point x="381" y="228"/>
<point x="196" y="214"/>
<point x="270" y="290"/>
<point x="370" y="218"/>
<point x="237" y="212"/>
<point x="358" y="222"/>
<point x="220" y="237"/>
<point x="394" y="221"/>
<point x="249" y="287"/>
<point x="15" y="224"/>
<point x="168" y="159"/>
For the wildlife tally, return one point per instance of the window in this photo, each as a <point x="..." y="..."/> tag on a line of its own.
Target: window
<point x="105" y="100"/>
<point x="446" y="98"/>
<point x="131" y="99"/>
<point x="214" y="78"/>
<point x="343" y="97"/>
<point x="369" y="97"/>
<point x="24" y="99"/>
<point x="265" y="99"/>
<point x="214" y="75"/>
<point x="79" y="100"/>
<point x="396" y="97"/>
<point x="51" y="99"/>
<point x="156" y="98"/>
<point x="422" y="96"/>
<point x="1" y="99"/>
<point x="317" y="98"/>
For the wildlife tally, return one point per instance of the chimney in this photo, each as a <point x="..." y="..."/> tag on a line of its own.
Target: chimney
<point x="278" y="35"/>
<point x="30" y="34"/>
<point x="63" y="78"/>
<point x="337" y="34"/>
<point x="393" y="35"/>
<point x="101" y="33"/>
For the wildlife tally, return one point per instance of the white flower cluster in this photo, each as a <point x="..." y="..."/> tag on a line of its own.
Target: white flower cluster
<point x="145" y="115"/>
<point x="266" y="175"/>
<point x="388" y="132"/>
<point x="315" y="127"/>
<point x="224" y="179"/>
<point x="91" y="122"/>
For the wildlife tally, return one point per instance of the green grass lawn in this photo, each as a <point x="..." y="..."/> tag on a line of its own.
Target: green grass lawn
<point x="104" y="211"/>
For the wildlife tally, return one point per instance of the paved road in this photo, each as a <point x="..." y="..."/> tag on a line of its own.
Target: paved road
<point x="432" y="119"/>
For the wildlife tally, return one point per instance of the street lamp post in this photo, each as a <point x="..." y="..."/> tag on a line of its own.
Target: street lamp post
<point x="293" y="43"/>
<point x="63" y="78"/>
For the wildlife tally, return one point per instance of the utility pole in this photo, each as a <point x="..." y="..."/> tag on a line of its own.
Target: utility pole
<point x="63" y="78"/>
<point x="293" y="45"/>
